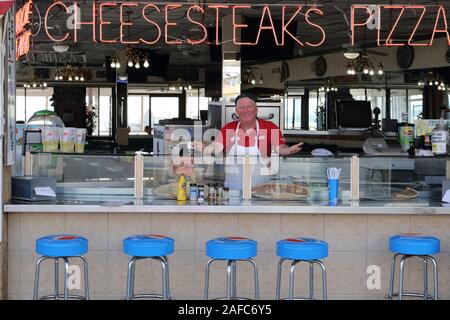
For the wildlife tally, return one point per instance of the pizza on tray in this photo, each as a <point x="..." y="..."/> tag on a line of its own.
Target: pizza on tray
<point x="281" y="191"/>
<point x="406" y="194"/>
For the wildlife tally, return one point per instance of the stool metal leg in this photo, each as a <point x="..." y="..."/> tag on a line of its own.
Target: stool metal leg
<point x="130" y="280"/>
<point x="425" y="279"/>
<point x="66" y="278"/>
<point x="402" y="267"/>
<point x="36" y="277"/>
<point x="291" y="279"/>
<point x="391" y="283"/>
<point x="207" y="270"/>
<point x="56" y="278"/>
<point x="311" y="281"/>
<point x="167" y="276"/>
<point x="278" y="288"/>
<point x="86" y="278"/>
<point x="435" y="277"/>
<point x="234" y="280"/>
<point x="324" y="279"/>
<point x="229" y="280"/>
<point x="255" y="275"/>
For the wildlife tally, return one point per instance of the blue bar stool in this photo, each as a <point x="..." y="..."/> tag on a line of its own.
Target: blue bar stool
<point x="152" y="246"/>
<point x="302" y="250"/>
<point x="231" y="249"/>
<point x="61" y="246"/>
<point x="414" y="245"/>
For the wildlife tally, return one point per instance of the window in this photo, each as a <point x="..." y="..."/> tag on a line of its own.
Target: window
<point x="101" y="100"/>
<point x="29" y="101"/>
<point x="293" y="109"/>
<point x="415" y="104"/>
<point x="138" y="113"/>
<point x="164" y="108"/>
<point x="316" y="107"/>
<point x="377" y="98"/>
<point x="195" y="102"/>
<point x="398" y="103"/>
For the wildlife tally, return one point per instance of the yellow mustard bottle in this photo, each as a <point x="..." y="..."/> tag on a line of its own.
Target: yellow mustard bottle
<point x="181" y="192"/>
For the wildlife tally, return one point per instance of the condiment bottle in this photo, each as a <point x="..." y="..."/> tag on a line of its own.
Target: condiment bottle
<point x="181" y="190"/>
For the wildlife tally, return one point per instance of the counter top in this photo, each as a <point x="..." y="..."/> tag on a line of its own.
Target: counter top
<point x="129" y="205"/>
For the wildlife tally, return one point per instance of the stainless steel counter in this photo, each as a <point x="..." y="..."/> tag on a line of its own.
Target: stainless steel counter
<point x="129" y="205"/>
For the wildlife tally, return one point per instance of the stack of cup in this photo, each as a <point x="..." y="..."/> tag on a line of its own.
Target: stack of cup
<point x="80" y="140"/>
<point x="67" y="143"/>
<point x="50" y="139"/>
<point x="333" y="185"/>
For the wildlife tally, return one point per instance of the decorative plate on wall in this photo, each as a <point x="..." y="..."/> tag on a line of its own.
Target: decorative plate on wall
<point x="284" y="72"/>
<point x="320" y="66"/>
<point x="405" y="57"/>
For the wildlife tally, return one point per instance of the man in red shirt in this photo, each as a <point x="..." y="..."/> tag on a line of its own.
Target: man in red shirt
<point x="250" y="135"/>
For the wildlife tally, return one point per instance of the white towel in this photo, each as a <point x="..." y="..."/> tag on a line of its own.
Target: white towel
<point x="321" y="153"/>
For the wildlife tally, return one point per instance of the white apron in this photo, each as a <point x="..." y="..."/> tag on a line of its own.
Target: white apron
<point x="234" y="160"/>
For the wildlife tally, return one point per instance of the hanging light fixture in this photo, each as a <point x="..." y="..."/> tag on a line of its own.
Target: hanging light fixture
<point x="433" y="80"/>
<point x="180" y="84"/>
<point x="329" y="86"/>
<point x="69" y="73"/>
<point x="35" y="82"/>
<point x="133" y="58"/>
<point x="363" y="64"/>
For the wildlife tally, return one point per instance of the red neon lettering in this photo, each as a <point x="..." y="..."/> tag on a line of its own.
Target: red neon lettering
<point x="436" y="30"/>
<point x="193" y="42"/>
<point x="353" y="24"/>
<point x="271" y="27"/>
<point x="23" y="44"/>
<point x="103" y="22"/>
<point x="285" y="25"/>
<point x="168" y="24"/>
<point x="319" y="12"/>
<point x="417" y="26"/>
<point x="23" y="17"/>
<point x="239" y="26"/>
<point x="80" y="23"/>
<point x="126" y="24"/>
<point x="152" y="22"/>
<point x="389" y="42"/>
<point x="217" y="7"/>
<point x="59" y="3"/>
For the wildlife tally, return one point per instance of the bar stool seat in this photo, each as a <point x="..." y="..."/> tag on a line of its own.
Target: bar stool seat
<point x="231" y="248"/>
<point x="61" y="245"/>
<point x="302" y="249"/>
<point x="414" y="245"/>
<point x="148" y="246"/>
<point x="409" y="246"/>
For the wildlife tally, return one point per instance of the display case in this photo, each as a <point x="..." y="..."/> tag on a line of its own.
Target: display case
<point x="86" y="175"/>
<point x="402" y="179"/>
<point x="292" y="180"/>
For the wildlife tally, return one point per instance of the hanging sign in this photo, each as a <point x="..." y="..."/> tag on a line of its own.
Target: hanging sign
<point x="103" y="18"/>
<point x="23" y="29"/>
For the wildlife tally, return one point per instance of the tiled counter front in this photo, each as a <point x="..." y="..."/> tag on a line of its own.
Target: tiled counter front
<point x="356" y="242"/>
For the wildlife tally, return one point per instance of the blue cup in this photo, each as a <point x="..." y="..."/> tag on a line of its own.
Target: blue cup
<point x="333" y="191"/>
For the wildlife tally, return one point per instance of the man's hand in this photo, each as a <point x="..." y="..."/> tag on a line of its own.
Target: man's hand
<point x="285" y="150"/>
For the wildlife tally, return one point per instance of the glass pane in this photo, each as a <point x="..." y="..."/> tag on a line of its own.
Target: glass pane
<point x="398" y="104"/>
<point x="136" y="114"/>
<point x="164" y="108"/>
<point x="195" y="103"/>
<point x="415" y="104"/>
<point x="313" y="109"/>
<point x="377" y="97"/>
<point x="293" y="108"/>
<point x="105" y="112"/>
<point x="358" y="94"/>
<point x="33" y="100"/>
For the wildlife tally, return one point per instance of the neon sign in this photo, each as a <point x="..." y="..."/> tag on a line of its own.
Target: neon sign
<point x="99" y="24"/>
<point x="23" y="29"/>
<point x="362" y="17"/>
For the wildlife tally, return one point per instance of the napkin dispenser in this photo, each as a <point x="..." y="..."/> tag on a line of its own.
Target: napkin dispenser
<point x="33" y="188"/>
